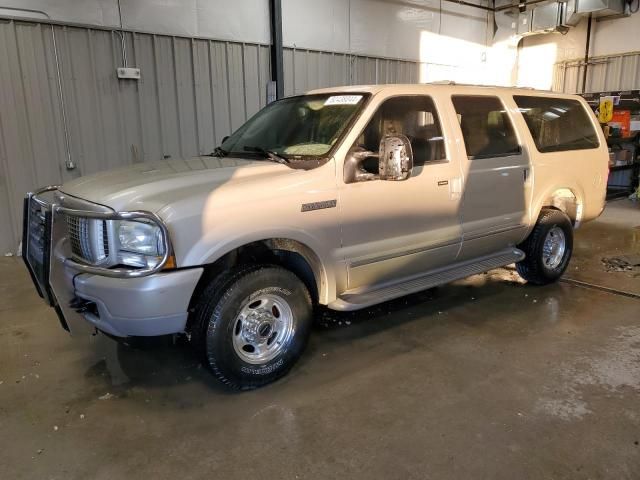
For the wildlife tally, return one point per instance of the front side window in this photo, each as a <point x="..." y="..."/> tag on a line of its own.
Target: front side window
<point x="557" y="124"/>
<point x="486" y="126"/>
<point x="413" y="116"/>
<point x="296" y="127"/>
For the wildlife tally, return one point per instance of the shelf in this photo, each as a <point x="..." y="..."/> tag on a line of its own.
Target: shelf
<point x="618" y="193"/>
<point x="618" y="140"/>
<point x="617" y="168"/>
<point x="629" y="99"/>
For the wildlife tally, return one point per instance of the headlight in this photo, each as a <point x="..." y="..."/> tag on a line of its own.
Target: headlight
<point x="140" y="243"/>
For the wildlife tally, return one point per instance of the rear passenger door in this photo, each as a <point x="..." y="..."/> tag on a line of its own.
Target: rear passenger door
<point x="495" y="173"/>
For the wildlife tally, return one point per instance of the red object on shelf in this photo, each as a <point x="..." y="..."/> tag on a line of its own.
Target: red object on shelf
<point x="622" y="118"/>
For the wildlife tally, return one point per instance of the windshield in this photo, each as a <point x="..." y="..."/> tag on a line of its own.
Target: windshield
<point x="296" y="127"/>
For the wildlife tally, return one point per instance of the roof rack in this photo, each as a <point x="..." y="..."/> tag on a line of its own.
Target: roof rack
<point x="452" y="82"/>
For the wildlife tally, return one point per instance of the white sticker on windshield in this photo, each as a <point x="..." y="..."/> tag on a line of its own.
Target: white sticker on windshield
<point x="343" y="100"/>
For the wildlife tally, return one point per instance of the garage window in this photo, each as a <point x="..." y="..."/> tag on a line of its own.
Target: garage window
<point x="486" y="126"/>
<point x="557" y="124"/>
<point x="413" y="116"/>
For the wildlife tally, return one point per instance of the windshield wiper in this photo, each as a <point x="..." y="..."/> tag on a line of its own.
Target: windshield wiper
<point x="219" y="152"/>
<point x="270" y="154"/>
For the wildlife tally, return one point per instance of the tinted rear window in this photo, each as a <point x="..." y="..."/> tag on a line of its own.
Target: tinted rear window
<point x="486" y="126"/>
<point x="557" y="124"/>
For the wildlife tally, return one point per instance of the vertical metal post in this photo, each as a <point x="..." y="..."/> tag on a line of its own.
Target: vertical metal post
<point x="586" y="55"/>
<point x="69" y="163"/>
<point x="277" y="63"/>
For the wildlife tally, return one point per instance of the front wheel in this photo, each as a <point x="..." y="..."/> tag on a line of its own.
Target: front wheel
<point x="548" y="248"/>
<point x="252" y="325"/>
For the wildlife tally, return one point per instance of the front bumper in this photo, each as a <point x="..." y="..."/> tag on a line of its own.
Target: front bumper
<point x="148" y="305"/>
<point x="122" y="307"/>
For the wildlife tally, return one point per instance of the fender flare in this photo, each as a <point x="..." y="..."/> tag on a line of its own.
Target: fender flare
<point x="318" y="260"/>
<point x="553" y="197"/>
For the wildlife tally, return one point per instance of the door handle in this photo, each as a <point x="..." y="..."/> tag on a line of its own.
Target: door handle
<point x="442" y="183"/>
<point x="455" y="188"/>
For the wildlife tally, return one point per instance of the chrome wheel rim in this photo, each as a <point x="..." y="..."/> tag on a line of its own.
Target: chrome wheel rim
<point x="262" y="329"/>
<point x="555" y="245"/>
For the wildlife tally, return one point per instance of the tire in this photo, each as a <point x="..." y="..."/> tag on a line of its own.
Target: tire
<point x="251" y="325"/>
<point x="541" y="265"/>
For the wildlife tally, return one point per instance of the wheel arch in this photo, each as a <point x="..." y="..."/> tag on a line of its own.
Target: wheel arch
<point x="566" y="199"/>
<point x="289" y="253"/>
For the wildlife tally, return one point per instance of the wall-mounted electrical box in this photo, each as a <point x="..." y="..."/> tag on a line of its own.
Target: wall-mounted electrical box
<point x="128" y="72"/>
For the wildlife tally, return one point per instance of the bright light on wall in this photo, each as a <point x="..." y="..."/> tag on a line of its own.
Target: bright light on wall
<point x="535" y="65"/>
<point x="448" y="58"/>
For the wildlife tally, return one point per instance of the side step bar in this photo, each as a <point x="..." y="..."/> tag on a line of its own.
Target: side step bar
<point x="360" y="298"/>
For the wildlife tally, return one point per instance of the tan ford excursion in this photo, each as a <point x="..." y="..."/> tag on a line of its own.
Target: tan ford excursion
<point x="344" y="197"/>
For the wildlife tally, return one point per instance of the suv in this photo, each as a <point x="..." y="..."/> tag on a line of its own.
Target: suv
<point x="342" y="197"/>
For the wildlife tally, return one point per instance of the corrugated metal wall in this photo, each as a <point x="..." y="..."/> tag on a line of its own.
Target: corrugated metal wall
<point x="613" y="72"/>
<point x="192" y="93"/>
<point x="308" y="69"/>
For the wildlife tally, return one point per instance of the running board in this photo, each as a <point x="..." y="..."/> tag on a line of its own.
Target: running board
<point x="360" y="298"/>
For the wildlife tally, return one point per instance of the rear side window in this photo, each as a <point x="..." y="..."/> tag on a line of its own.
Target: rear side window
<point x="557" y="124"/>
<point x="486" y="126"/>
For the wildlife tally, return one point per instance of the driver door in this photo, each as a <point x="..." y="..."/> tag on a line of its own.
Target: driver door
<point x="395" y="229"/>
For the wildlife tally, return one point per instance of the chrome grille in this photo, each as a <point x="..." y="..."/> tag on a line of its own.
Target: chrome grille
<point x="88" y="238"/>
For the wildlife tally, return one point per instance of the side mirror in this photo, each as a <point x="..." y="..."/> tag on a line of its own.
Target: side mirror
<point x="396" y="158"/>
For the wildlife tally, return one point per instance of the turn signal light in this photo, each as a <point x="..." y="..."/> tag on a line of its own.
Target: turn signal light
<point x="171" y="263"/>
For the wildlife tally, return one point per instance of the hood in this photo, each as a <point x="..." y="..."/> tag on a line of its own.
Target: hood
<point x="150" y="186"/>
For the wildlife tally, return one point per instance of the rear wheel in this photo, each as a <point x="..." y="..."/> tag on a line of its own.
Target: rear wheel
<point x="548" y="248"/>
<point x="252" y="325"/>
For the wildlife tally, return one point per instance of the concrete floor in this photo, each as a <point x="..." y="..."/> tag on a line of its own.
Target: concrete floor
<point x="483" y="379"/>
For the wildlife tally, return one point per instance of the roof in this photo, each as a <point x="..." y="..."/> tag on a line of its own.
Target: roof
<point x="420" y="87"/>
